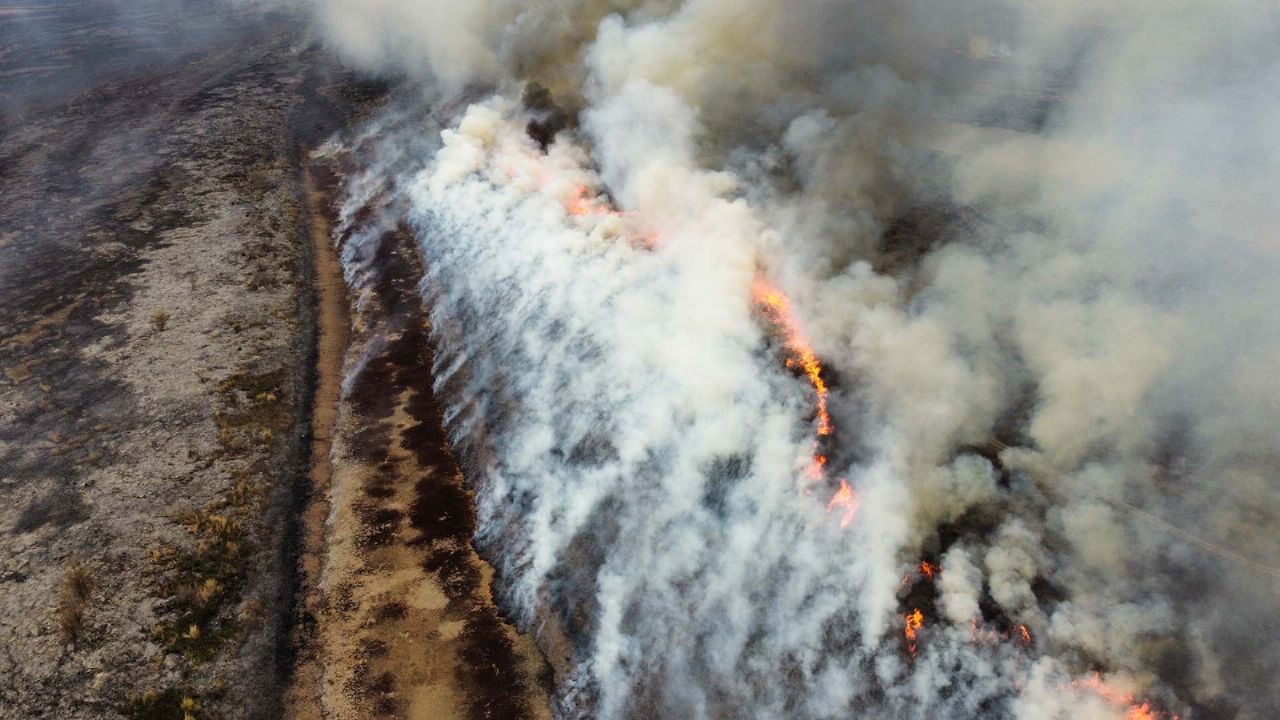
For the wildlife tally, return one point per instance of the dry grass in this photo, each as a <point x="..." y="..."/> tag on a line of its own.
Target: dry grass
<point x="77" y="585"/>
<point x="205" y="580"/>
<point x="169" y="704"/>
<point x="160" y="320"/>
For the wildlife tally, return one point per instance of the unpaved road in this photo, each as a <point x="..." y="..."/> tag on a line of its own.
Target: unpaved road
<point x="405" y="625"/>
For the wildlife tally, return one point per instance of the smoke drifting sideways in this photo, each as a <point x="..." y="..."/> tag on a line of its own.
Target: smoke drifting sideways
<point x="54" y="52"/>
<point x="1033" y="245"/>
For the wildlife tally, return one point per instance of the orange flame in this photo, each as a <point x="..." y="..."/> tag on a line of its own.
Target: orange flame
<point x="778" y="307"/>
<point x="1141" y="712"/>
<point x="983" y="634"/>
<point x="925" y="569"/>
<point x="1115" y="696"/>
<point x="846" y="500"/>
<point x="579" y="204"/>
<point x="914" y="623"/>
<point x="1103" y="690"/>
<point x="817" y="467"/>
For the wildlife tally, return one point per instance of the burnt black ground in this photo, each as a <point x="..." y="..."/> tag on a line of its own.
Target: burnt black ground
<point x="148" y="164"/>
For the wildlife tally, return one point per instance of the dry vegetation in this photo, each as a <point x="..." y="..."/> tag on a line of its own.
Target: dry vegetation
<point x="73" y="600"/>
<point x="200" y="583"/>
<point x="148" y="403"/>
<point x="169" y="704"/>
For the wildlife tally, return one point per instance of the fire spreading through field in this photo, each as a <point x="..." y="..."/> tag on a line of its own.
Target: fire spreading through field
<point x="813" y="368"/>
<point x="776" y="307"/>
<point x="800" y="356"/>
<point x="492" y="179"/>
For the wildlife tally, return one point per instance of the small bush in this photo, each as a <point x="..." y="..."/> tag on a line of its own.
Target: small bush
<point x="160" y="320"/>
<point x="203" y="581"/>
<point x="77" y="584"/>
<point x="169" y="704"/>
<point x="70" y="621"/>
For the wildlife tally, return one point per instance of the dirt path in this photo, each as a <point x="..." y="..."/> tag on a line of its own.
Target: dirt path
<point x="332" y="334"/>
<point x="405" y="625"/>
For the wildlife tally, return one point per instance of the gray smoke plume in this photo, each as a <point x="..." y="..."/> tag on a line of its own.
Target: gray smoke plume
<point x="1031" y="244"/>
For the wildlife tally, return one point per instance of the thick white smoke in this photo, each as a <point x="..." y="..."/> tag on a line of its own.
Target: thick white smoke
<point x="1029" y="234"/>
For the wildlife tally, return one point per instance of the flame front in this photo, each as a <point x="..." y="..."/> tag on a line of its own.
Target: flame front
<point x="1141" y="712"/>
<point x="914" y="623"/>
<point x="767" y="326"/>
<point x="817" y="467"/>
<point x="579" y="203"/>
<point x="845" y="500"/>
<point x="1115" y="696"/>
<point x="778" y="307"/>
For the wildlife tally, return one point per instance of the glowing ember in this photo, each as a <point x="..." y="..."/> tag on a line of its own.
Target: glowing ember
<point x="982" y="634"/>
<point x="914" y="623"/>
<point x="1103" y="690"/>
<point x="845" y="500"/>
<point x="816" y="469"/>
<point x="1025" y="634"/>
<point x="927" y="569"/>
<point x="778" y="307"/>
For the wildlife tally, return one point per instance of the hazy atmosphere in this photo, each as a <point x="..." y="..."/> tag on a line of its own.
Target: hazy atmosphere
<point x="583" y="359"/>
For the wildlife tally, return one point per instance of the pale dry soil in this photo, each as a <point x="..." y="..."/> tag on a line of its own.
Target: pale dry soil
<point x="154" y="336"/>
<point x="197" y="519"/>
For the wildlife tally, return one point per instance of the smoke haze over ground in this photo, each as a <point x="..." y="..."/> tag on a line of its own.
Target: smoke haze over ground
<point x="52" y="51"/>
<point x="1032" y="245"/>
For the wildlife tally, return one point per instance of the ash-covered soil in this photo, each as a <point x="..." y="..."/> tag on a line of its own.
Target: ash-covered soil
<point x="195" y="523"/>
<point x="154" y="353"/>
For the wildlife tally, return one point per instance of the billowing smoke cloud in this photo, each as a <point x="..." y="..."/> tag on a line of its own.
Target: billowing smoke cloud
<point x="1032" y="245"/>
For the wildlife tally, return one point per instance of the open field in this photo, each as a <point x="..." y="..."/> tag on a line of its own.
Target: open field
<point x="158" y="346"/>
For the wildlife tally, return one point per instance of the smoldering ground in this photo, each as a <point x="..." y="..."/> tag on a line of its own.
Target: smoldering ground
<point x="1032" y="246"/>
